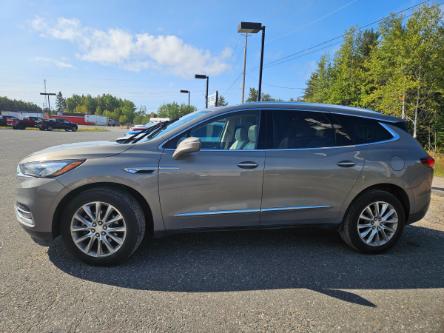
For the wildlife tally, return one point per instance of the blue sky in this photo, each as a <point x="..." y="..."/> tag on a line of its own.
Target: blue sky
<point x="147" y="51"/>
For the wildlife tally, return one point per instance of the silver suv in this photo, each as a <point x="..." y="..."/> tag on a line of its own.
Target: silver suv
<point x="267" y="165"/>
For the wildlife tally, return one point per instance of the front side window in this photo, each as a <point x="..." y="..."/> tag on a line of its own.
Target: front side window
<point x="350" y="130"/>
<point x="294" y="129"/>
<point x="238" y="131"/>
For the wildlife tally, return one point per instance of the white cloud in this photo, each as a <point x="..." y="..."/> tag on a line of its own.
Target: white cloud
<point x="60" y="63"/>
<point x="134" y="52"/>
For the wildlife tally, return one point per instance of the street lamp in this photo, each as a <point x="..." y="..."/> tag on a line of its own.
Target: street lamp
<point x="183" y="91"/>
<point x="252" y="28"/>
<point x="206" y="77"/>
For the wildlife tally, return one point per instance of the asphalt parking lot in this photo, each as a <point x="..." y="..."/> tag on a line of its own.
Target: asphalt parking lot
<point x="300" y="280"/>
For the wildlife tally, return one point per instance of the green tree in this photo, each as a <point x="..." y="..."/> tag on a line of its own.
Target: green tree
<point x="7" y="104"/>
<point x="221" y="101"/>
<point x="60" y="102"/>
<point x="398" y="70"/>
<point x="174" y="110"/>
<point x="253" y="93"/>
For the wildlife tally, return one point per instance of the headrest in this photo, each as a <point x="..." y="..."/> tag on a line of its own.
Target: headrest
<point x="252" y="133"/>
<point x="241" y="134"/>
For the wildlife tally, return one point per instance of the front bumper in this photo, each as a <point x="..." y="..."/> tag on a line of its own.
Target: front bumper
<point x="36" y="202"/>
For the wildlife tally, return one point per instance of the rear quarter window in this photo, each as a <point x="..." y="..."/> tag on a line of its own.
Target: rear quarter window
<point x="351" y="130"/>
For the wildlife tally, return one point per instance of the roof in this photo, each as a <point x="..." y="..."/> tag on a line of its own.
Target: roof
<point x="302" y="106"/>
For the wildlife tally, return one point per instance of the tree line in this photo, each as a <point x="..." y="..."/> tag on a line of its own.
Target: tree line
<point x="397" y="69"/>
<point x="7" y="104"/>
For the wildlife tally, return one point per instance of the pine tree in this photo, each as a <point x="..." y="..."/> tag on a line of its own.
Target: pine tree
<point x="60" y="103"/>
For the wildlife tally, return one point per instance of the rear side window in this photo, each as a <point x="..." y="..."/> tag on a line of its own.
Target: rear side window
<point x="300" y="129"/>
<point x="351" y="130"/>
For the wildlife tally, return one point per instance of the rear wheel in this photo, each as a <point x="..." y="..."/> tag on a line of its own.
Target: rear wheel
<point x="103" y="226"/>
<point x="374" y="222"/>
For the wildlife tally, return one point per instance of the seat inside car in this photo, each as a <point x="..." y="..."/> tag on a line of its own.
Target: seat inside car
<point x="252" y="135"/>
<point x="241" y="138"/>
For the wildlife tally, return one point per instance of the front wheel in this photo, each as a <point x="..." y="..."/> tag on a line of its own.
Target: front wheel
<point x="374" y="222"/>
<point x="103" y="226"/>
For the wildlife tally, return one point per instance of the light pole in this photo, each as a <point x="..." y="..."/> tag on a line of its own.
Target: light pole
<point x="206" y="77"/>
<point x="252" y="28"/>
<point x="183" y="91"/>
<point x="245" y="68"/>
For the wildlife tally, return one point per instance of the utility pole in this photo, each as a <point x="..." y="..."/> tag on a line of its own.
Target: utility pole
<point x="47" y="94"/>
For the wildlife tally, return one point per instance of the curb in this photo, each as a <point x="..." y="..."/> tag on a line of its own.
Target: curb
<point x="438" y="191"/>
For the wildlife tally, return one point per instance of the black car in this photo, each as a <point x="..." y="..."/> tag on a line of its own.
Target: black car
<point x="50" y="124"/>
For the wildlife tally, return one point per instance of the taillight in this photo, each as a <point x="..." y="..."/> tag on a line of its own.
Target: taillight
<point x="428" y="161"/>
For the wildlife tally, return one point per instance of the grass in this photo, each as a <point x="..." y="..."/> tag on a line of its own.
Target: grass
<point x="92" y="129"/>
<point x="439" y="164"/>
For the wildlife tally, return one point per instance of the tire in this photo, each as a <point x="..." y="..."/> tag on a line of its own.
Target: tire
<point x="49" y="128"/>
<point x="133" y="220"/>
<point x="74" y="129"/>
<point x="349" y="229"/>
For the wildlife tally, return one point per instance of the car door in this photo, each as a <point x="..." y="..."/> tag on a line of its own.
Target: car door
<point x="221" y="185"/>
<point x="307" y="177"/>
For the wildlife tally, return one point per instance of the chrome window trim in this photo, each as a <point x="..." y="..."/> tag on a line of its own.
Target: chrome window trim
<point x="395" y="136"/>
<point x="249" y="211"/>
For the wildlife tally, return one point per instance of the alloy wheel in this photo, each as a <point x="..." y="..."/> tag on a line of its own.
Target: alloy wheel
<point x="98" y="229"/>
<point x="377" y="223"/>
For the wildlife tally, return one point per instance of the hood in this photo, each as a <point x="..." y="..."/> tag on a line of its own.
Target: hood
<point x="88" y="150"/>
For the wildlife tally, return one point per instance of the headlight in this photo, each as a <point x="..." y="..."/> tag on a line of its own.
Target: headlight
<point x="47" y="169"/>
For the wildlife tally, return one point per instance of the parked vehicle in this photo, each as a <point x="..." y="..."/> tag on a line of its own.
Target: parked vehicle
<point x="50" y="124"/>
<point x="259" y="165"/>
<point x="4" y="120"/>
<point x="23" y="123"/>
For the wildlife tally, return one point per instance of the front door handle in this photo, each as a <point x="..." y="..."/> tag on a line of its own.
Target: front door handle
<point x="346" y="164"/>
<point x="247" y="165"/>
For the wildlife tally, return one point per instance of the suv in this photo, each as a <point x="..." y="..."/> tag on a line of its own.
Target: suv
<point x="50" y="124"/>
<point x="267" y="165"/>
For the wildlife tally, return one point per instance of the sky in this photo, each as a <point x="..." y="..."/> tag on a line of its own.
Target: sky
<point x="146" y="51"/>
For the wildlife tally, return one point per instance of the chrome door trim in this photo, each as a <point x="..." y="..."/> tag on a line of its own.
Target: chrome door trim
<point x="220" y="212"/>
<point x="283" y="209"/>
<point x="249" y="211"/>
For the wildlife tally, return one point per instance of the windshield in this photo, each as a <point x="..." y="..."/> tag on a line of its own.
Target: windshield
<point x="179" y="122"/>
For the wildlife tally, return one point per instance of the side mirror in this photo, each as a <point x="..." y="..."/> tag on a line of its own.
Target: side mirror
<point x="187" y="146"/>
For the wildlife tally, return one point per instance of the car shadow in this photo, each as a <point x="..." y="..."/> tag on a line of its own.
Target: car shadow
<point x="280" y="259"/>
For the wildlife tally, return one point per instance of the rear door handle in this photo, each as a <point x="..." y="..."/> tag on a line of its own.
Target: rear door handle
<point x="247" y="165"/>
<point x="346" y="164"/>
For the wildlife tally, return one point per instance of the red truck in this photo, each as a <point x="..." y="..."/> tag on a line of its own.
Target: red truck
<point x="16" y="123"/>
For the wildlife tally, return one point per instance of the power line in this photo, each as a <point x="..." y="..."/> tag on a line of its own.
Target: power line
<point x="295" y="55"/>
<point x="284" y="87"/>
<point x="319" y="19"/>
